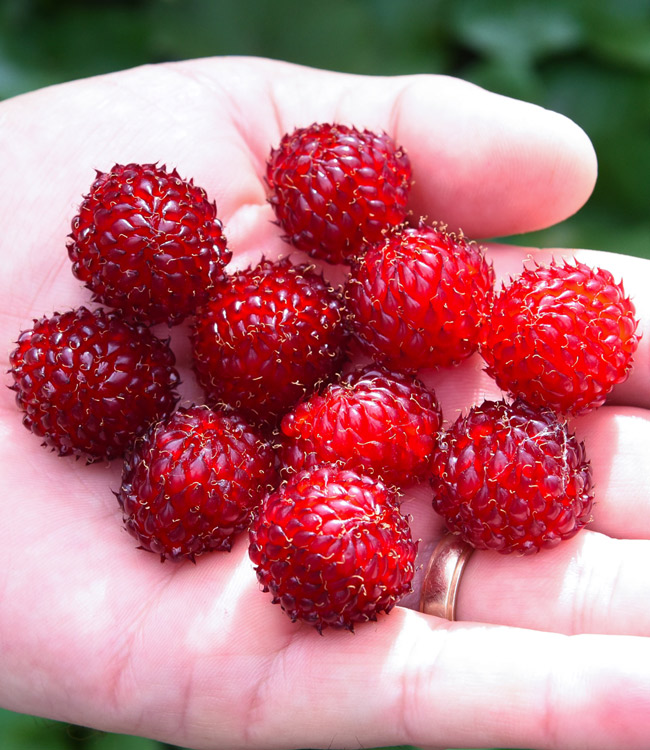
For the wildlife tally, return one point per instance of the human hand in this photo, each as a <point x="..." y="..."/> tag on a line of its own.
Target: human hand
<point x="550" y="650"/>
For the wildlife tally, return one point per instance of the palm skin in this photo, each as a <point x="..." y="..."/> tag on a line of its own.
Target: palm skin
<point x="551" y="650"/>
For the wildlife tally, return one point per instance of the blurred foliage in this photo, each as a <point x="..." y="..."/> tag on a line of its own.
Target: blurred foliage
<point x="21" y="732"/>
<point x="588" y="60"/>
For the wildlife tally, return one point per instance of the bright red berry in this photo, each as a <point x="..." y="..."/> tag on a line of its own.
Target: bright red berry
<point x="373" y="421"/>
<point x="269" y="334"/>
<point x="420" y="299"/>
<point x="333" y="548"/>
<point x="89" y="382"/>
<point x="512" y="478"/>
<point x="562" y="336"/>
<point x="192" y="482"/>
<point x="336" y="189"/>
<point x="148" y="242"/>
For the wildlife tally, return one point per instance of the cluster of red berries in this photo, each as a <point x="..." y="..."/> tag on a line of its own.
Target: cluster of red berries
<point x="306" y="454"/>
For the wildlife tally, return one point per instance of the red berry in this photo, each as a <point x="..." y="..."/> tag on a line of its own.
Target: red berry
<point x="147" y="242"/>
<point x="420" y="299"/>
<point x="336" y="189"/>
<point x="192" y="482"/>
<point x="373" y="421"/>
<point x="512" y="478"/>
<point x="267" y="337"/>
<point x="561" y="336"/>
<point x="89" y="382"/>
<point x="333" y="548"/>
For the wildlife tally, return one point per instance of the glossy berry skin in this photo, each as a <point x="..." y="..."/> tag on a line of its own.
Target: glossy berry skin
<point x="512" y="478"/>
<point x="89" y="382"/>
<point x="373" y="421"/>
<point x="420" y="299"/>
<point x="192" y="482"/>
<point x="267" y="337"/>
<point x="333" y="548"/>
<point x="561" y="336"/>
<point x="336" y="189"/>
<point x="148" y="242"/>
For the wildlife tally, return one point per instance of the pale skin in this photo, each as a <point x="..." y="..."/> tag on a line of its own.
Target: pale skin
<point x="551" y="651"/>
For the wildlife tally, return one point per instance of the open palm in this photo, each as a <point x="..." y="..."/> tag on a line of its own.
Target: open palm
<point x="552" y="650"/>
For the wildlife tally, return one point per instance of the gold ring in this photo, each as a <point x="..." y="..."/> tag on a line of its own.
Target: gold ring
<point x="442" y="577"/>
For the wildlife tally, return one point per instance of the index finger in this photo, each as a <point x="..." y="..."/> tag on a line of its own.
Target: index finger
<point x="482" y="162"/>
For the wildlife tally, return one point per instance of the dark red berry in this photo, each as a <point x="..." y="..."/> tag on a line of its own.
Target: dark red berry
<point x="193" y="481"/>
<point x="335" y="189"/>
<point x="512" y="478"/>
<point x="148" y="242"/>
<point x="420" y="299"/>
<point x="269" y="334"/>
<point x="333" y="548"/>
<point x="373" y="421"/>
<point x="89" y="382"/>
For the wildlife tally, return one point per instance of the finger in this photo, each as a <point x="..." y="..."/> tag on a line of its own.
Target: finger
<point x="413" y="680"/>
<point x="488" y="164"/>
<point x="482" y="162"/>
<point x="593" y="583"/>
<point x="590" y="584"/>
<point x="616" y="440"/>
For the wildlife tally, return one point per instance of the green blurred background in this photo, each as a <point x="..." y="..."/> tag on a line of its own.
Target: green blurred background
<point x="589" y="59"/>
